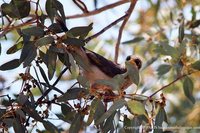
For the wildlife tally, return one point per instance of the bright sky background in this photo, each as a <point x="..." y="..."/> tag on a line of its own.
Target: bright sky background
<point x="99" y="21"/>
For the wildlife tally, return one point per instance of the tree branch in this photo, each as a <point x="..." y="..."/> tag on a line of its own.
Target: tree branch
<point x="81" y="5"/>
<point x="162" y="88"/>
<point x="106" y="28"/>
<point x="129" y="11"/>
<point x="9" y="27"/>
<point x="99" y="10"/>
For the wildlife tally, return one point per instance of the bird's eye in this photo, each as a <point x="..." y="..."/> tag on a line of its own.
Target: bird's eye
<point x="128" y="58"/>
<point x="138" y="62"/>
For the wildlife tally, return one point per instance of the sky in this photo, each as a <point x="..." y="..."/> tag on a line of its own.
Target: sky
<point x="99" y="21"/>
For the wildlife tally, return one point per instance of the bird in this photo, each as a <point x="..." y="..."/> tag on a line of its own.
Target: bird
<point x="96" y="67"/>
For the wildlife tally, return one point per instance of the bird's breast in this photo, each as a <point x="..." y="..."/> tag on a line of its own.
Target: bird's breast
<point x="94" y="74"/>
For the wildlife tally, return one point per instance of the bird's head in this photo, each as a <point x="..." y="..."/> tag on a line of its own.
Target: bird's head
<point x="134" y="61"/>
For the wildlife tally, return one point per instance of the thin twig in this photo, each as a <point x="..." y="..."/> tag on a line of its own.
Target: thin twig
<point x="9" y="28"/>
<point x="60" y="75"/>
<point x="106" y="28"/>
<point x="162" y="88"/>
<point x="129" y="11"/>
<point x="81" y="5"/>
<point x="99" y="10"/>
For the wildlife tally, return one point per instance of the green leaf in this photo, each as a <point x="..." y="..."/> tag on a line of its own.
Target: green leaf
<point x="65" y="109"/>
<point x="52" y="57"/>
<point x="136" y="107"/>
<point x="149" y="62"/>
<point x="16" y="8"/>
<point x="31" y="112"/>
<point x="44" y="41"/>
<point x="55" y="28"/>
<point x="58" y="49"/>
<point x="196" y="65"/>
<point x="18" y="126"/>
<point x="188" y="89"/>
<point x="165" y="49"/>
<point x="0" y="48"/>
<point x="76" y="124"/>
<point x="30" y="57"/>
<point x="73" y="93"/>
<point x="116" y="105"/>
<point x="82" y="81"/>
<point x="133" y="73"/>
<point x="163" y="69"/>
<point x="131" y="125"/>
<point x="74" y="41"/>
<point x="160" y="118"/>
<point x="93" y="108"/>
<point x="67" y="113"/>
<point x="10" y="65"/>
<point x="109" y="124"/>
<point x="135" y="40"/>
<point x="80" y="31"/>
<point x="33" y="31"/>
<point x="181" y="32"/>
<point x="28" y="54"/>
<point x="51" y="11"/>
<point x="64" y="58"/>
<point x="79" y="60"/>
<point x="59" y="7"/>
<point x="15" y="48"/>
<point x="44" y="57"/>
<point x="194" y="14"/>
<point x="36" y="92"/>
<point x="99" y="111"/>
<point x="22" y="99"/>
<point x="50" y="127"/>
<point x="195" y="24"/>
<point x="9" y="9"/>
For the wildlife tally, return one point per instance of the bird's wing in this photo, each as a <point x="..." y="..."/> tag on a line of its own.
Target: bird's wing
<point x="108" y="67"/>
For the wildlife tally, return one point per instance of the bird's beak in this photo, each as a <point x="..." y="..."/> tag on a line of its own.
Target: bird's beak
<point x="132" y="61"/>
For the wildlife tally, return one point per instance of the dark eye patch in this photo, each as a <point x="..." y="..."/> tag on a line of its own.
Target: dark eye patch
<point x="128" y="58"/>
<point x="138" y="62"/>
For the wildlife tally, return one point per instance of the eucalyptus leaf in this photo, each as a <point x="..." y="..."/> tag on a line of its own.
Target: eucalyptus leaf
<point x="50" y="9"/>
<point x="163" y="69"/>
<point x="136" y="107"/>
<point x="188" y="89"/>
<point x="55" y="28"/>
<point x="52" y="57"/>
<point x="80" y="31"/>
<point x="28" y="52"/>
<point x="116" y="105"/>
<point x="33" y="31"/>
<point x="160" y="118"/>
<point x="196" y="65"/>
<point x="73" y="93"/>
<point x="0" y="48"/>
<point x="18" y="126"/>
<point x="50" y="127"/>
<point x="15" y="48"/>
<point x="93" y="108"/>
<point x="76" y="124"/>
<point x="10" y="65"/>
<point x="135" y="40"/>
<point x="44" y="41"/>
<point x="16" y="9"/>
<point x="74" y="41"/>
<point x="181" y="31"/>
